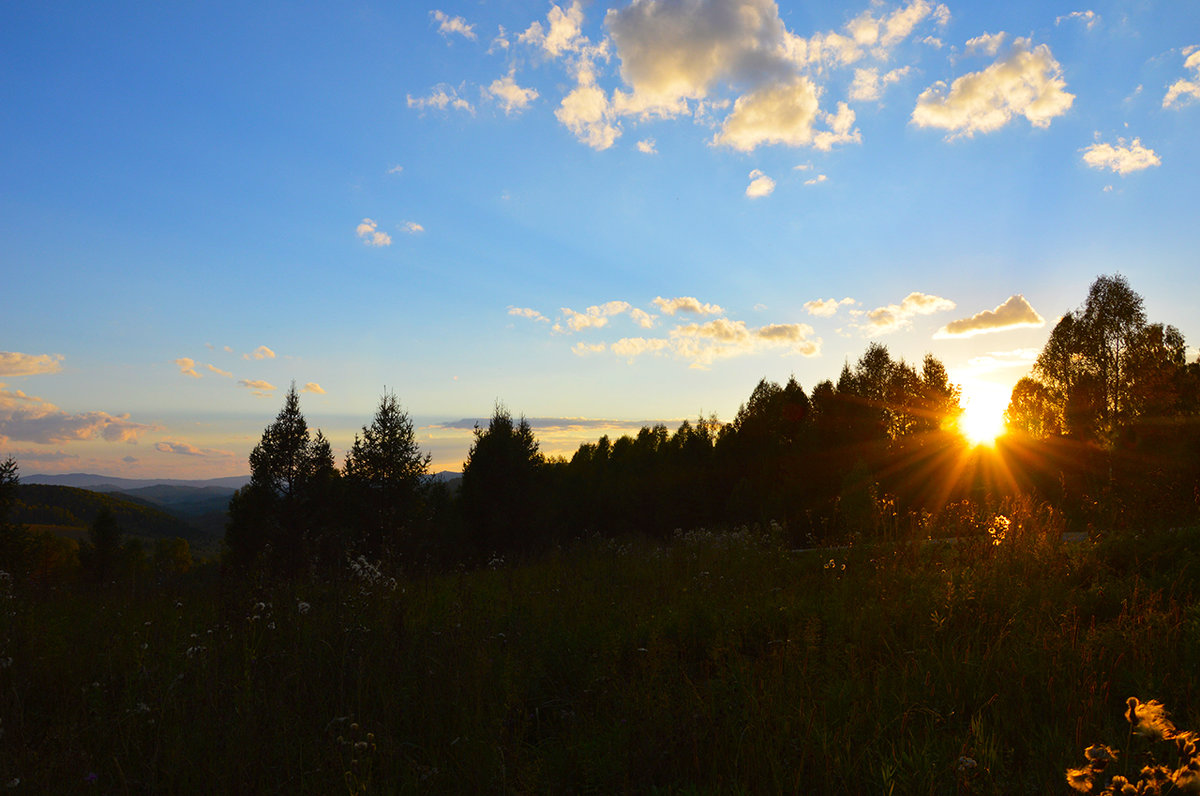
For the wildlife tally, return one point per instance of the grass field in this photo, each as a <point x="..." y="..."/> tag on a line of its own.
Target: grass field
<point x="720" y="662"/>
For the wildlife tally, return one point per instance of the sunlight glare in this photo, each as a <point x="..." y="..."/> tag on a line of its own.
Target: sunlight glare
<point x="983" y="413"/>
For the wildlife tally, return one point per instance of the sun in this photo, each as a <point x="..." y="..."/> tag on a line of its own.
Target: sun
<point x="982" y="419"/>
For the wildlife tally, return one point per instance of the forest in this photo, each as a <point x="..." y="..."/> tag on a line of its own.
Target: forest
<point x="833" y="592"/>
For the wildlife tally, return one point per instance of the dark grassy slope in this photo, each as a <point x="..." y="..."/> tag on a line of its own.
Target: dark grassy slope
<point x="713" y="663"/>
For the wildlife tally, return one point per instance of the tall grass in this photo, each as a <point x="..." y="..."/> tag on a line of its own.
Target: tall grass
<point x="720" y="662"/>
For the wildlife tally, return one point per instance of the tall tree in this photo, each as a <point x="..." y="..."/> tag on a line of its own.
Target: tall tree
<point x="386" y="473"/>
<point x="9" y="537"/>
<point x="1113" y="318"/>
<point x="500" y="489"/>
<point x="278" y="513"/>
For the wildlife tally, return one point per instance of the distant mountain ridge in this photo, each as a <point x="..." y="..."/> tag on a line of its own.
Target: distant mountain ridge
<point x="97" y="483"/>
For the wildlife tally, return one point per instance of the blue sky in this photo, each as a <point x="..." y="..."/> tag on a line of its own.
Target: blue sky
<point x="599" y="214"/>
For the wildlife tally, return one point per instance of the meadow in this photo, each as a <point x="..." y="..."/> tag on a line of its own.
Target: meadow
<point x="715" y="662"/>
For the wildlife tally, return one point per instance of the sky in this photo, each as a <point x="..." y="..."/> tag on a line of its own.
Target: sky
<point x="598" y="214"/>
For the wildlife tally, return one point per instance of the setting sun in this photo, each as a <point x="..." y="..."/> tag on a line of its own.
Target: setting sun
<point x="983" y="413"/>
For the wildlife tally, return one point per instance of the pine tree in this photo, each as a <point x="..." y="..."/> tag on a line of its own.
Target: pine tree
<point x="386" y="475"/>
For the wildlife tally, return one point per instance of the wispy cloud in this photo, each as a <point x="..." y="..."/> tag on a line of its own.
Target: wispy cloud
<point x="894" y="317"/>
<point x="411" y="228"/>
<point x="397" y="170"/>
<point x="440" y="98"/>
<point x="1185" y="90"/>
<point x="313" y="387"/>
<point x="593" y="317"/>
<point x="187" y="449"/>
<point x="1121" y="158"/>
<point x="1014" y="313"/>
<point x="528" y="312"/>
<point x="219" y="372"/>
<point x="869" y="85"/>
<point x="449" y="26"/>
<point x="511" y="97"/>
<point x="368" y="231"/>
<point x="1089" y="18"/>
<point x="647" y="146"/>
<point x="1027" y="82"/>
<point x="817" y="180"/>
<point x="262" y="352"/>
<point x="27" y="418"/>
<point x="560" y="35"/>
<point x="257" y="386"/>
<point x="16" y="364"/>
<point x="187" y="367"/>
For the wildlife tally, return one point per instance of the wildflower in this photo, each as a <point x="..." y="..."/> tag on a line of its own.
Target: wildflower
<point x="966" y="764"/>
<point x="1099" y="753"/>
<point x="1080" y="778"/>
<point x="303" y="607"/>
<point x="1149" y="719"/>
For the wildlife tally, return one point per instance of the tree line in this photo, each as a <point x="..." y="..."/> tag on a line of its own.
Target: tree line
<point x="1104" y="430"/>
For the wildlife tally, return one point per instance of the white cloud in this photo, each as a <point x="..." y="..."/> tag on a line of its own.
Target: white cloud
<point x="686" y="304"/>
<point x="368" y="231"/>
<point x="561" y="33"/>
<point x="1014" y="313"/>
<point x="702" y="344"/>
<point x="593" y="317"/>
<point x="820" y="178"/>
<point x="894" y="317"/>
<point x="583" y="349"/>
<point x="839" y="131"/>
<point x="527" y="312"/>
<point x="257" y="386"/>
<point x="1027" y="82"/>
<point x="780" y="113"/>
<point x="642" y="318"/>
<point x="187" y="367"/>
<point x="440" y="98"/>
<point x="586" y="112"/>
<point x="27" y="418"/>
<point x="511" y="97"/>
<point x="262" y="352"/>
<point x="1088" y="18"/>
<point x="646" y="146"/>
<point x="219" y="372"/>
<point x="313" y="387"/>
<point x="16" y="364"/>
<point x="632" y="347"/>
<point x="501" y="41"/>
<point x="868" y="85"/>
<point x="1121" y="158"/>
<point x="760" y="185"/>
<point x="825" y="308"/>
<point x="448" y="25"/>
<point x="411" y="228"/>
<point x="1184" y="90"/>
<point x="987" y="43"/>
<point x="397" y="169"/>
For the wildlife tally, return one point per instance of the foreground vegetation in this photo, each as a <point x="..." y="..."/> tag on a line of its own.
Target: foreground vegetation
<point x="717" y="662"/>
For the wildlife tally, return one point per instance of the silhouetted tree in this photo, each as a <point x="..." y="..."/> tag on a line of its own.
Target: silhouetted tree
<point x="104" y="553"/>
<point x="9" y="533"/>
<point x="500" y="492"/>
<point x="385" y="475"/>
<point x="279" y="513"/>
